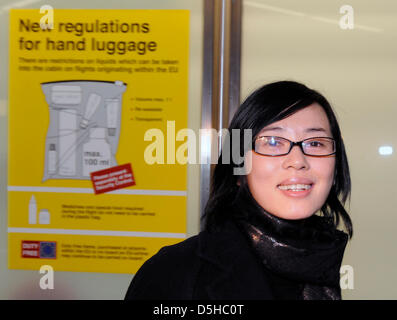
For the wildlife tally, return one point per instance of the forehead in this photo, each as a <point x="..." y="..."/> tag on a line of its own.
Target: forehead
<point x="307" y="120"/>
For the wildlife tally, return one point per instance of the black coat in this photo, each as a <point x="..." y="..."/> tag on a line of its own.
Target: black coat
<point x="219" y="265"/>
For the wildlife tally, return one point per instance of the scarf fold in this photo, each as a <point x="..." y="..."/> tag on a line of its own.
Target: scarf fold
<point x="308" y="251"/>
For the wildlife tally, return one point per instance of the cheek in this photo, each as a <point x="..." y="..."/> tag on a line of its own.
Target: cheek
<point x="324" y="170"/>
<point x="262" y="176"/>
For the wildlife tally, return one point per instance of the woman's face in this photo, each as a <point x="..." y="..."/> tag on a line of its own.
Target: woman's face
<point x="268" y="173"/>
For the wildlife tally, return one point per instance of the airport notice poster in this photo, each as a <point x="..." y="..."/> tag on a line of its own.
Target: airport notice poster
<point x="95" y="100"/>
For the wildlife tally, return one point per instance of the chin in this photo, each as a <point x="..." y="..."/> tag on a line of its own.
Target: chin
<point x="295" y="215"/>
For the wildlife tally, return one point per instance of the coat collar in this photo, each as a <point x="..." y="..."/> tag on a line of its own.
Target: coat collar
<point x="241" y="275"/>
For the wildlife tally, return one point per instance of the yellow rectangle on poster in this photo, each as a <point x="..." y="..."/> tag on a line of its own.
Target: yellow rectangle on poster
<point x="155" y="92"/>
<point x="149" y="213"/>
<point x="87" y="253"/>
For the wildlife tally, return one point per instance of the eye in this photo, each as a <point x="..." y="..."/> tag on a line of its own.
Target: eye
<point x="274" y="142"/>
<point x="315" y="144"/>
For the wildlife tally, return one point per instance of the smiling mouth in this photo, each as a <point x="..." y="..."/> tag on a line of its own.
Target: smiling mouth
<point x="295" y="187"/>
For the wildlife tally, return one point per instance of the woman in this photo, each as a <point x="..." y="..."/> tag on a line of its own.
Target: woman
<point x="271" y="233"/>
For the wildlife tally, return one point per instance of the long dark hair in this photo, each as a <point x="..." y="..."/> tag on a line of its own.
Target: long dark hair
<point x="268" y="104"/>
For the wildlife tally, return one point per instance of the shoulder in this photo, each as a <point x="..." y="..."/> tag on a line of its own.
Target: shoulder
<point x="216" y="264"/>
<point x="168" y="274"/>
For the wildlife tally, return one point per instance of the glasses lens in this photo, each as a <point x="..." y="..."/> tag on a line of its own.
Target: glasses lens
<point x="271" y="145"/>
<point x="319" y="146"/>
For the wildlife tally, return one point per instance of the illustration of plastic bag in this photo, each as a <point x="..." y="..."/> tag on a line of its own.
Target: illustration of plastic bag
<point x="84" y="128"/>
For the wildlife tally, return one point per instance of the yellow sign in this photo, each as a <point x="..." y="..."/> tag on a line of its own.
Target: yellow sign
<point x="83" y="93"/>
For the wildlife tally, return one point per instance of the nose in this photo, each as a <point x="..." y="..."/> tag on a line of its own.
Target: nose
<point x="296" y="159"/>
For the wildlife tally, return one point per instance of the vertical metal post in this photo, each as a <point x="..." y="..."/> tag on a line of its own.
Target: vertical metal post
<point x="235" y="58"/>
<point x="221" y="81"/>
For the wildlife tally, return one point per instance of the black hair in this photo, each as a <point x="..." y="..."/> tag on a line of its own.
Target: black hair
<point x="266" y="105"/>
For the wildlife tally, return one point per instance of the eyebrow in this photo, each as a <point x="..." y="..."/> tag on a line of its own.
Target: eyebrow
<point x="316" y="129"/>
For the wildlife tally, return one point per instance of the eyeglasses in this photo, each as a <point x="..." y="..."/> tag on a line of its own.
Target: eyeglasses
<point x="277" y="146"/>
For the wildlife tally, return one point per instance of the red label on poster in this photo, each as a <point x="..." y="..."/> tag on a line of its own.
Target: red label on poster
<point x="39" y="249"/>
<point x="30" y="249"/>
<point x="112" y="179"/>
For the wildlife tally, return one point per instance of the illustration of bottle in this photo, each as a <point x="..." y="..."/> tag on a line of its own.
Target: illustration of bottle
<point x="32" y="210"/>
<point x="96" y="152"/>
<point x="44" y="216"/>
<point x="92" y="104"/>
<point x="52" y="159"/>
<point x="67" y="142"/>
<point x="112" y="109"/>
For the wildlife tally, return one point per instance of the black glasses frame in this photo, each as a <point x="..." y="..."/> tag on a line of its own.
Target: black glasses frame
<point x="292" y="144"/>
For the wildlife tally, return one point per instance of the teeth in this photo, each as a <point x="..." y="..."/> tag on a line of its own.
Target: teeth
<point x="295" y="187"/>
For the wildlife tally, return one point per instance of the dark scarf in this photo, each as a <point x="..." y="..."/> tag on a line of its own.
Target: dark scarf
<point x="307" y="251"/>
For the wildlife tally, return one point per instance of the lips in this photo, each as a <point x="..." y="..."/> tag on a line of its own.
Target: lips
<point x="301" y="191"/>
<point x="296" y="181"/>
